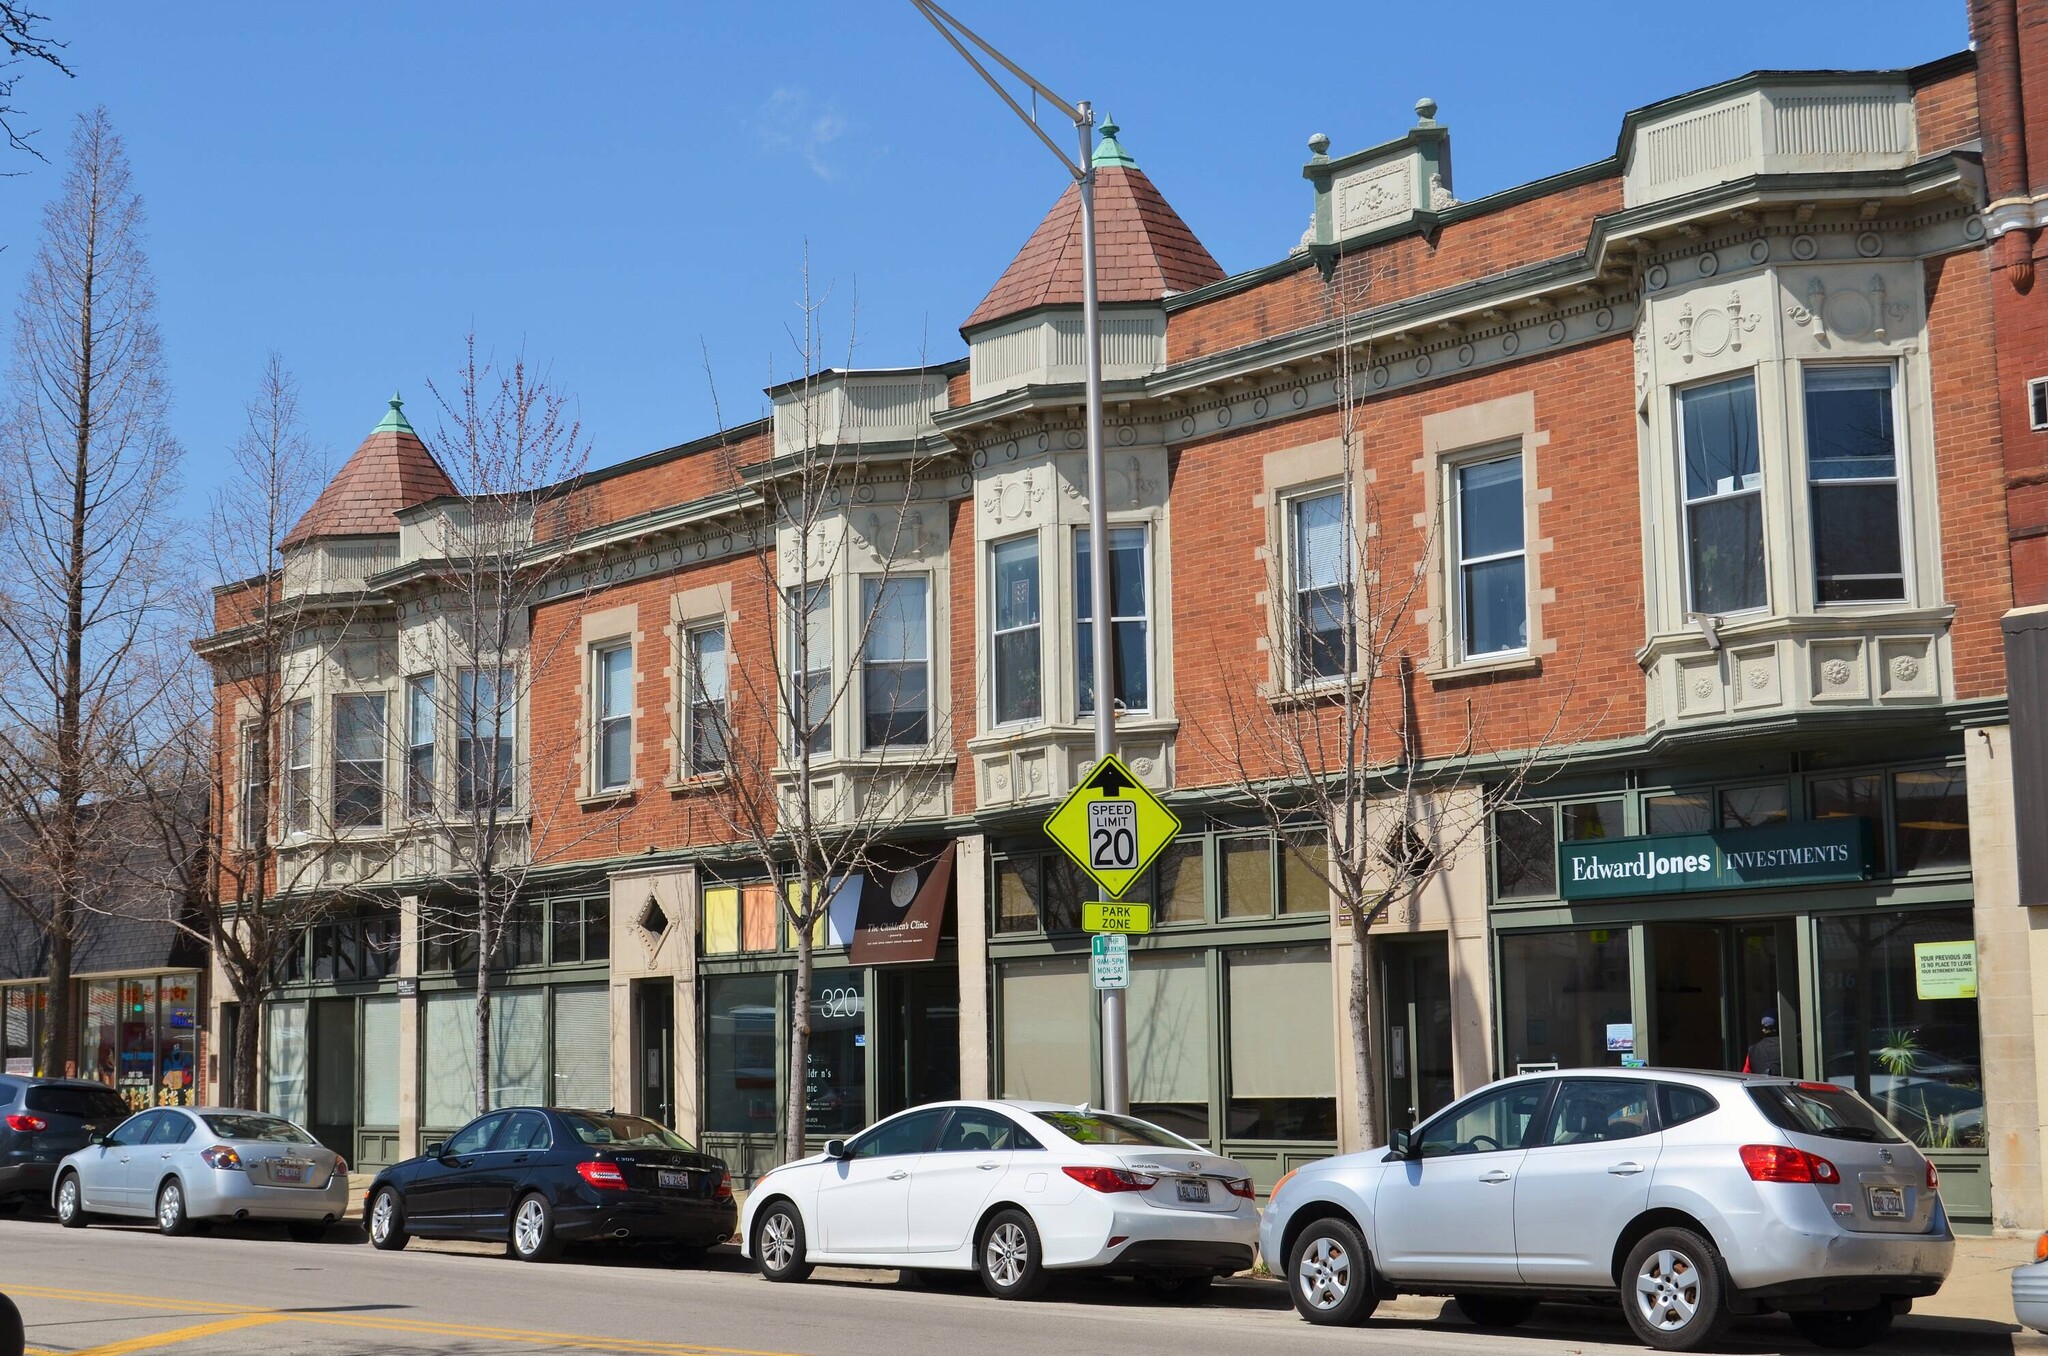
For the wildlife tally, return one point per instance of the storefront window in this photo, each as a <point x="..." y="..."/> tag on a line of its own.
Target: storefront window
<point x="1679" y="812"/>
<point x="1860" y="797"/>
<point x="1017" y="894"/>
<point x="284" y="1063"/>
<point x="450" y="1099"/>
<point x="1524" y="852"/>
<point x="740" y="919"/>
<point x="99" y="1045"/>
<point x="1592" y="820"/>
<point x="1179" y="888"/>
<point x="836" y="1080"/>
<point x="1560" y="994"/>
<point x="519" y="1047"/>
<point x="1752" y="807"/>
<point x="1933" y="818"/>
<point x="21" y="1027"/>
<point x="1304" y="874"/>
<point x="1248" y="877"/>
<point x="583" y="1025"/>
<point x="1283" y="1050"/>
<point x="1898" y="1021"/>
<point x="1167" y="1021"/>
<point x="177" y="1037"/>
<point x="740" y="1026"/>
<point x="380" y="1063"/>
<point x="1046" y="1032"/>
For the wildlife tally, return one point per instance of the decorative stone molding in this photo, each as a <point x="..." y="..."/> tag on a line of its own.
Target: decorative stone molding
<point x="1765" y="665"/>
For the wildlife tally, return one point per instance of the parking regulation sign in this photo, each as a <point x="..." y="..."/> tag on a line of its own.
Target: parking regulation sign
<point x="1112" y="825"/>
<point x="1109" y="961"/>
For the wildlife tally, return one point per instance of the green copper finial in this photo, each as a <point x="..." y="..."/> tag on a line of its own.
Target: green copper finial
<point x="394" y="419"/>
<point x="1110" y="151"/>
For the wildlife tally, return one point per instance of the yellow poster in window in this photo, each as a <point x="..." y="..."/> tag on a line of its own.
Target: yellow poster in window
<point x="1945" y="969"/>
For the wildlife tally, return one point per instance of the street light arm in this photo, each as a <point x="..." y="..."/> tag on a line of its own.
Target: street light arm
<point x="946" y="24"/>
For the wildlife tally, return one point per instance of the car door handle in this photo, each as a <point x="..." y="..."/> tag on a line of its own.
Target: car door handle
<point x="898" y="1175"/>
<point x="989" y="1167"/>
<point x="1626" y="1169"/>
<point x="1496" y="1176"/>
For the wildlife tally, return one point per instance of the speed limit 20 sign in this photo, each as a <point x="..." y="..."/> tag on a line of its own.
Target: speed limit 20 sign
<point x="1112" y="825"/>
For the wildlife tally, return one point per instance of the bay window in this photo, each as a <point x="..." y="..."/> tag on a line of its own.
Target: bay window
<point x="1492" y="565"/>
<point x="704" y="750"/>
<point x="255" y="784"/>
<point x="419" y="745"/>
<point x="810" y="666"/>
<point x="298" y="804"/>
<point x="895" y="661"/>
<point x="359" y="760"/>
<point x="613" y="668"/>
<point x="1014" y="649"/>
<point x="1129" y="617"/>
<point x="1318" y="586"/>
<point x="1852" y="469"/>
<point x="1723" y="488"/>
<point x="485" y="723"/>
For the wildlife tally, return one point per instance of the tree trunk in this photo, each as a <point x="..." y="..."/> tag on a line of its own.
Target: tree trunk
<point x="248" y="1040"/>
<point x="1359" y="1011"/>
<point x="483" y="1026"/>
<point x="799" y="1051"/>
<point x="60" y="1032"/>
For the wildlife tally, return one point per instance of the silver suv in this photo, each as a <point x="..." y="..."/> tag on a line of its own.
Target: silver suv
<point x="1690" y="1196"/>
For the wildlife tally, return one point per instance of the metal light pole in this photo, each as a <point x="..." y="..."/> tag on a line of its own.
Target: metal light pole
<point x="1115" y="1070"/>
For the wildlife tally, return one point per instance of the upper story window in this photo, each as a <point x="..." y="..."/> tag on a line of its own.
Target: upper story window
<point x="1318" y="586"/>
<point x="895" y="661"/>
<point x="1015" y="653"/>
<point x="419" y="745"/>
<point x="1129" y="617"/>
<point x="612" y="668"/>
<point x="1852" y="468"/>
<point x="704" y="675"/>
<point x="359" y="760"/>
<point x="298" y="743"/>
<point x="255" y="784"/>
<point x="1492" y="579"/>
<point x="486" y="726"/>
<point x="1724" y="513"/>
<point x="810" y="665"/>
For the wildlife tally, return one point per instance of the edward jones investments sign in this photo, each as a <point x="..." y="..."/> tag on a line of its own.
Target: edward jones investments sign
<point x="1816" y="852"/>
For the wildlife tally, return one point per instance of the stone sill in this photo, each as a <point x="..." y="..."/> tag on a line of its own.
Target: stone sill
<point x="1503" y="666"/>
<point x="598" y="800"/>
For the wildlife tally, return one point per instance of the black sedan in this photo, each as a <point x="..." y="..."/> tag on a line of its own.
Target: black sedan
<point x="540" y="1177"/>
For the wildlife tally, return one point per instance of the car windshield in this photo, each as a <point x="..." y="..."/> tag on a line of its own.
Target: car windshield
<point x="1099" y="1127"/>
<point x="59" y="1099"/>
<point x="1822" y="1109"/>
<point x="249" y="1125"/>
<point x="628" y="1131"/>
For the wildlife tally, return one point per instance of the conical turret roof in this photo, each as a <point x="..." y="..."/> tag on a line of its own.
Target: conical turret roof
<point x="1143" y="250"/>
<point x="392" y="470"/>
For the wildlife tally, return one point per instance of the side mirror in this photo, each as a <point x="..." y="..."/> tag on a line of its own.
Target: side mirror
<point x="1398" y="1145"/>
<point x="104" y="1140"/>
<point x="835" y="1148"/>
<point x="438" y="1149"/>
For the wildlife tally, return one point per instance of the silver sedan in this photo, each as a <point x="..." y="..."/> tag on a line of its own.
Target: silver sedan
<point x="183" y="1165"/>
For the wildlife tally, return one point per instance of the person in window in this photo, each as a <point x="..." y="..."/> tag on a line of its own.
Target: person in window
<point x="1763" y="1056"/>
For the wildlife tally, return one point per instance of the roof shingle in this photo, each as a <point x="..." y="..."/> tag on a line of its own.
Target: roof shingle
<point x="392" y="470"/>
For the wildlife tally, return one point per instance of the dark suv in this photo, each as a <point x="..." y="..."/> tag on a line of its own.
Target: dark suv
<point x="43" y="1119"/>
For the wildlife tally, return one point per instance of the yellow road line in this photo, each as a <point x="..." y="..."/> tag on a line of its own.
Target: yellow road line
<point x="189" y="1306"/>
<point x="152" y="1341"/>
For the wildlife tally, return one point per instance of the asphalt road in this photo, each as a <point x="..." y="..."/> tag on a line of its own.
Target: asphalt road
<point x="245" y="1291"/>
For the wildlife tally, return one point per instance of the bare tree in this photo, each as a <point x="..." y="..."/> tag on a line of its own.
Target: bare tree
<point x="1326" y="741"/>
<point x="27" y="46"/>
<point x="87" y="550"/>
<point x="829" y="502"/>
<point x="513" y="447"/>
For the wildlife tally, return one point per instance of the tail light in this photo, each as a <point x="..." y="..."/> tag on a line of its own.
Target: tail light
<point x="27" y="1125"/>
<point x="340" y="1166"/>
<point x="1110" y="1180"/>
<point x="1934" y="1184"/>
<point x="221" y="1156"/>
<point x="603" y="1175"/>
<point x="1783" y="1163"/>
<point x="2041" y="1248"/>
<point x="724" y="1192"/>
<point x="1240" y="1187"/>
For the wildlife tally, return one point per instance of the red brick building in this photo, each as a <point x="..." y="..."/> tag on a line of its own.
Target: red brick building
<point x="1698" y="485"/>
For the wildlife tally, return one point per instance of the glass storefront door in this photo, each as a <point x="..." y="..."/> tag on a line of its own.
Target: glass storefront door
<point x="654" y="1018"/>
<point x="1416" y="1028"/>
<point x="332" y="1113"/>
<point x="1714" y="985"/>
<point x="918" y="1025"/>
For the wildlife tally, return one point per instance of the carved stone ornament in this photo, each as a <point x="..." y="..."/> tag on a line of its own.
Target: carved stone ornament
<point x="1714" y="330"/>
<point x="1439" y="196"/>
<point x="1905" y="668"/>
<point x="1702" y="687"/>
<point x="1835" y="672"/>
<point x="1759" y="677"/>
<point x="1012" y="499"/>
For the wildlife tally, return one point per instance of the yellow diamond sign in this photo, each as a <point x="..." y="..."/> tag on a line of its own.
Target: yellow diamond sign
<point x="1112" y="825"/>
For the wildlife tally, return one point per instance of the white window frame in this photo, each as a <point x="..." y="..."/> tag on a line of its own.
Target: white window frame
<point x="798" y="602"/>
<point x="1083" y="603"/>
<point x="697" y="707"/>
<point x="380" y="762"/>
<point x="1298" y="679"/>
<point x="1900" y="481"/>
<point x="881" y="582"/>
<point x="2037" y="404"/>
<point x="420" y="792"/>
<point x="996" y="632"/>
<point x="1686" y="501"/>
<point x="298" y="753"/>
<point x="601" y="723"/>
<point x="255" y="780"/>
<point x="1456" y="591"/>
<point x="468" y="736"/>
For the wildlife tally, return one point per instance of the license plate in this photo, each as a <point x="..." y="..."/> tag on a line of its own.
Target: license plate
<point x="288" y="1172"/>
<point x="1887" y="1203"/>
<point x="670" y="1177"/>
<point x="1197" y="1192"/>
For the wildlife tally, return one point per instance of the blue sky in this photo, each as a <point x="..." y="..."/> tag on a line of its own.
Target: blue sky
<point x="621" y="188"/>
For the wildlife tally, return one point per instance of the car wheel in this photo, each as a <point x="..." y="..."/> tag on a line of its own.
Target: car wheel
<point x="1844" y="1329"/>
<point x="171" y="1219"/>
<point x="1179" y="1289"/>
<point x="1494" y="1311"/>
<point x="70" y="1202"/>
<point x="1009" y="1257"/>
<point x="1672" y="1291"/>
<point x="387" y="1222"/>
<point x="1329" y="1274"/>
<point x="533" y="1231"/>
<point x="306" y="1232"/>
<point x="779" y="1244"/>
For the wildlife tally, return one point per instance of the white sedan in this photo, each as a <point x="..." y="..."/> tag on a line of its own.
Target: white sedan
<point x="1008" y="1191"/>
